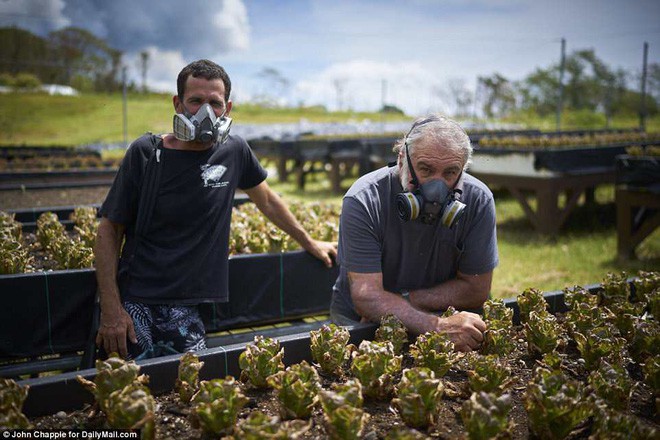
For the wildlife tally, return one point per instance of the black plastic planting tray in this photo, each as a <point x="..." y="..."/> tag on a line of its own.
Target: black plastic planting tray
<point x="63" y="393"/>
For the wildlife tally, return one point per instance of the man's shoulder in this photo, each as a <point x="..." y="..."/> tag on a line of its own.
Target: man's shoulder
<point x="476" y="186"/>
<point x="370" y="183"/>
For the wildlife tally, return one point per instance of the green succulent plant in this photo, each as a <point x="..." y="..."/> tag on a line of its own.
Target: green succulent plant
<point x="330" y="348"/>
<point x="542" y="333"/>
<point x="48" y="227"/>
<point x="615" y="288"/>
<point x="645" y="340"/>
<point x="132" y="407"/>
<point x="487" y="416"/>
<point x="215" y="407"/>
<point x="392" y="329"/>
<point x="531" y="300"/>
<point x="86" y="224"/>
<point x="579" y="295"/>
<point x="497" y="315"/>
<point x="434" y="350"/>
<point x="14" y="257"/>
<point x="613" y="385"/>
<point x="187" y="382"/>
<point x="113" y="374"/>
<point x="12" y="397"/>
<point x="343" y="416"/>
<point x="375" y="365"/>
<point x="600" y="342"/>
<point x="258" y="426"/>
<point x="644" y="284"/>
<point x="297" y="388"/>
<point x="488" y="374"/>
<point x="261" y="358"/>
<point x="555" y="404"/>
<point x="418" y="396"/>
<point x="498" y="341"/>
<point x="610" y="424"/>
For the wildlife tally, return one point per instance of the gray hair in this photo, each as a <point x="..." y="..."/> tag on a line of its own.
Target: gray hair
<point x="442" y="130"/>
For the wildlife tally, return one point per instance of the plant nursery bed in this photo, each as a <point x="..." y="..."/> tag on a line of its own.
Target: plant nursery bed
<point x="172" y="416"/>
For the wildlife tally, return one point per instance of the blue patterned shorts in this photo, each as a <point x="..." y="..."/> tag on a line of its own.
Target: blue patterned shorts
<point x="164" y="329"/>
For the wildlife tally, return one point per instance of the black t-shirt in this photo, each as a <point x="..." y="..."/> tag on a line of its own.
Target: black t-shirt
<point x="182" y="255"/>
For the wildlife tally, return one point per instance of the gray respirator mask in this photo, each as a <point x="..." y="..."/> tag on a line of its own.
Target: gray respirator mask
<point x="431" y="201"/>
<point x="203" y="126"/>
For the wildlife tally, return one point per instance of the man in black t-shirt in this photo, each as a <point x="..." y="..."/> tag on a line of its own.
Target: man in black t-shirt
<point x="172" y="201"/>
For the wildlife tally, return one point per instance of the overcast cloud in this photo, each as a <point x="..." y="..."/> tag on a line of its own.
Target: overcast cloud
<point x="354" y="53"/>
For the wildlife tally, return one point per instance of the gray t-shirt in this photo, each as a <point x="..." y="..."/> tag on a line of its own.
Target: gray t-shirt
<point x="410" y="255"/>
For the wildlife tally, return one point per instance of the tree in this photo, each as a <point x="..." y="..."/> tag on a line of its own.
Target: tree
<point x="275" y="86"/>
<point x="498" y="95"/>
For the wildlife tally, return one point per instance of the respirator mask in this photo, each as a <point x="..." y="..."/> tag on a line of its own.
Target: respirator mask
<point x="431" y="201"/>
<point x="203" y="126"/>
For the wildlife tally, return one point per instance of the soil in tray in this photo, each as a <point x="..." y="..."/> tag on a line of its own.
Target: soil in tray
<point x="172" y="421"/>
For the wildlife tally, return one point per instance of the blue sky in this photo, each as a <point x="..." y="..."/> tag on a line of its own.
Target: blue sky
<point x="354" y="54"/>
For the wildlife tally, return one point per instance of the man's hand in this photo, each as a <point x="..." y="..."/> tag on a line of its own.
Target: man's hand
<point x="323" y="250"/>
<point x="465" y="329"/>
<point x="113" y="331"/>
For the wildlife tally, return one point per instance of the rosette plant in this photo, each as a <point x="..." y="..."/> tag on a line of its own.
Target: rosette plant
<point x="555" y="405"/>
<point x="261" y="358"/>
<point x="48" y="227"/>
<point x="187" y="382"/>
<point x="615" y="288"/>
<point x="297" y="388"/>
<point x="374" y="365"/>
<point x="12" y="397"/>
<point x="531" y="300"/>
<point x="645" y="284"/>
<point x="610" y="424"/>
<point x="343" y="416"/>
<point x="487" y="416"/>
<point x="86" y="224"/>
<point x="216" y="405"/>
<point x="330" y="348"/>
<point x="497" y="315"/>
<point x="392" y="329"/>
<point x="258" y="426"/>
<point x="498" y="342"/>
<point x="14" y="257"/>
<point x="113" y="374"/>
<point x="418" y="396"/>
<point x="488" y="374"/>
<point x="132" y="407"/>
<point x="645" y="341"/>
<point x="600" y="342"/>
<point x="613" y="385"/>
<point x="434" y="350"/>
<point x="10" y="226"/>
<point x="542" y="333"/>
<point x="579" y="295"/>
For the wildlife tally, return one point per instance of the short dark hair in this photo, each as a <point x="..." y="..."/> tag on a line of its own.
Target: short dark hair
<point x="202" y="69"/>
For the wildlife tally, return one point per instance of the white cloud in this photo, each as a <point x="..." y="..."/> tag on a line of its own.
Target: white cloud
<point x="359" y="84"/>
<point x="233" y="19"/>
<point x="34" y="15"/>
<point x="162" y="68"/>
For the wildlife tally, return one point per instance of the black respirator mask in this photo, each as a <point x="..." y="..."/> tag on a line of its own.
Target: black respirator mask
<point x="431" y="201"/>
<point x="203" y="126"/>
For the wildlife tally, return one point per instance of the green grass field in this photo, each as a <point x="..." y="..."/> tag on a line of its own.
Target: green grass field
<point x="583" y="253"/>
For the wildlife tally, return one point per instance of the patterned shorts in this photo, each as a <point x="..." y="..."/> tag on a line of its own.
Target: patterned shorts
<point x="164" y="329"/>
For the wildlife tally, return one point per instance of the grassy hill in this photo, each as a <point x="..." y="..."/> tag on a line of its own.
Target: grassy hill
<point x="40" y="119"/>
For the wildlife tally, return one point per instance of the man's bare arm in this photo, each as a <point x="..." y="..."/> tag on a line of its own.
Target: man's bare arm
<point x="115" y="323"/>
<point x="277" y="212"/>
<point x="372" y="302"/>
<point x="462" y="292"/>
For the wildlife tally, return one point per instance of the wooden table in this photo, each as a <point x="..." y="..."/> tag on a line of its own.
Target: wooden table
<point x="637" y="216"/>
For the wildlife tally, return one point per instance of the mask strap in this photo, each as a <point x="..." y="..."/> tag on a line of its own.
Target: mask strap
<point x="414" y="181"/>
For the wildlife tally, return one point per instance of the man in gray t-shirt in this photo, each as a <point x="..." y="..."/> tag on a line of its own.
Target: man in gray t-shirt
<point x="419" y="237"/>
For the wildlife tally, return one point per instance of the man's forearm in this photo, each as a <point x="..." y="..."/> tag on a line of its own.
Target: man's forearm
<point x="458" y="292"/>
<point x="106" y="252"/>
<point x="279" y="214"/>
